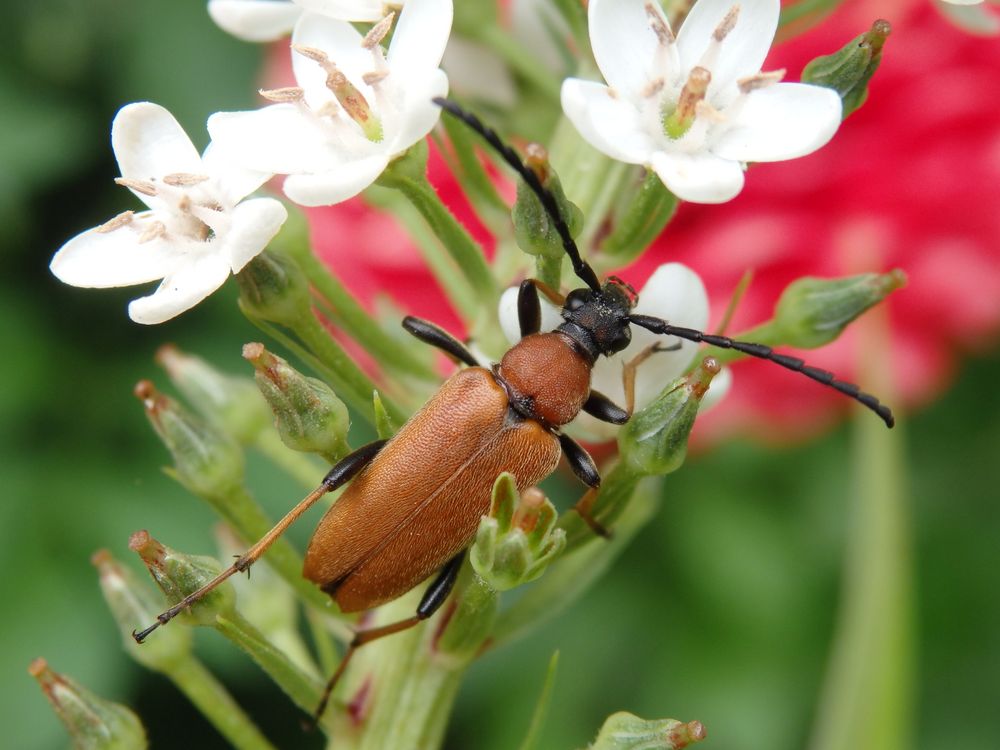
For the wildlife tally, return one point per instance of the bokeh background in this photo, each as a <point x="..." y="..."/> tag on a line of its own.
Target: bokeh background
<point x="725" y="607"/>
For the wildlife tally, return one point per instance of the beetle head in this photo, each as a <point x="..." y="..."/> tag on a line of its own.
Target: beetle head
<point x="603" y="314"/>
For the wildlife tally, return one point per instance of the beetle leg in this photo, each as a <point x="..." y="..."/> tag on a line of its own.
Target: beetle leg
<point x="583" y="466"/>
<point x="437" y="336"/>
<point x="342" y="472"/>
<point x="601" y="407"/>
<point x="430" y="602"/>
<point x="529" y="309"/>
<point x="628" y="371"/>
<point x="583" y="507"/>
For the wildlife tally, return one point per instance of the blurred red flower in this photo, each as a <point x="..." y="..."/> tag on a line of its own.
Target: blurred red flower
<point x="905" y="183"/>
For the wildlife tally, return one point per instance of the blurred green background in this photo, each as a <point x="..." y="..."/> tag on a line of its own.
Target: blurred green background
<point x="723" y="610"/>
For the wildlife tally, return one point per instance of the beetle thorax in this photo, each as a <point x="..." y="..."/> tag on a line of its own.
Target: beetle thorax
<point x="546" y="378"/>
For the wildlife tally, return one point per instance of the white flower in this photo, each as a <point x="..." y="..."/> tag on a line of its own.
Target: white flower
<point x="674" y="293"/>
<point x="196" y="232"/>
<point x="267" y="20"/>
<point x="695" y="108"/>
<point x="972" y="16"/>
<point x="354" y="109"/>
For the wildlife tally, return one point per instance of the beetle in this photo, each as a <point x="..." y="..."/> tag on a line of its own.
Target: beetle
<point x="415" y="500"/>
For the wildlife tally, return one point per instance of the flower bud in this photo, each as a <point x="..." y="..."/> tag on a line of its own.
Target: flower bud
<point x="307" y="413"/>
<point x="231" y="402"/>
<point x="654" y="441"/>
<point x="518" y="539"/>
<point x="93" y="723"/>
<point x="849" y="70"/>
<point x="206" y="461"/>
<point x="178" y="575"/>
<point x="132" y="603"/>
<point x="274" y="288"/>
<point x="812" y="312"/>
<point x="625" y="731"/>
<point x="533" y="228"/>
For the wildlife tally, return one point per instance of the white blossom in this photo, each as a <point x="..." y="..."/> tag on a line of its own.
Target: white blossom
<point x="695" y="108"/>
<point x="674" y="293"/>
<point x="973" y="16"/>
<point x="267" y="20"/>
<point x="354" y="109"/>
<point x="196" y="231"/>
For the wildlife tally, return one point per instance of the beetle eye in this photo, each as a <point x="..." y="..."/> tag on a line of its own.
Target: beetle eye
<point x="576" y="299"/>
<point x="622" y="338"/>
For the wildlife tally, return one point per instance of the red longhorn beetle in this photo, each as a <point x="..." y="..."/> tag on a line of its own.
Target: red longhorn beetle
<point x="415" y="500"/>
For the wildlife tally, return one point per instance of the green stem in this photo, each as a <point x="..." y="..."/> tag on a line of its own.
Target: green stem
<point x="215" y="703"/>
<point x="302" y="467"/>
<point x="549" y="270"/>
<point x="453" y="236"/>
<point x="809" y="11"/>
<point x="358" y="324"/>
<point x="646" y="216"/>
<point x="346" y="378"/>
<point x="867" y="701"/>
<point x="616" y="493"/>
<point x="519" y="59"/>
<point x="303" y="689"/>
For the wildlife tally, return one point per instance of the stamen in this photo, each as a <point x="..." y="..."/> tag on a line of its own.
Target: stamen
<point x="154" y="230"/>
<point x="184" y="179"/>
<point x="374" y="77"/>
<point x="282" y="95"/>
<point x="352" y="100"/>
<point x="706" y="111"/>
<point x="677" y="123"/>
<point x="121" y="220"/>
<point x="727" y="24"/>
<point x="659" y="25"/>
<point x="139" y="186"/>
<point x="652" y="88"/>
<point x="374" y="37"/>
<point x="760" y="80"/>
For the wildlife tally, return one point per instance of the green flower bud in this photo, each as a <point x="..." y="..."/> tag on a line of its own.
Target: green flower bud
<point x="654" y="441"/>
<point x="133" y="603"/>
<point x="533" y="229"/>
<point x="518" y="539"/>
<point x="625" y="731"/>
<point x="274" y="288"/>
<point x="231" y="402"/>
<point x="813" y="312"/>
<point x="93" y="723"/>
<point x="849" y="70"/>
<point x="178" y="575"/>
<point x="307" y="413"/>
<point x="206" y="461"/>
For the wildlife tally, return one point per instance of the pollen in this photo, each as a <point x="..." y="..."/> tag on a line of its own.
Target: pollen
<point x="139" y="186"/>
<point x="154" y="230"/>
<point x="760" y="81"/>
<point x="184" y="179"/>
<point x="727" y="24"/>
<point x="283" y="95"/>
<point x="659" y="25"/>
<point x="374" y="37"/>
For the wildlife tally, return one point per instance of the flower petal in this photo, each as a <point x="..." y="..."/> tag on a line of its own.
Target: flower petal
<point x="233" y="181"/>
<point x="779" y="122"/>
<point x="341" y="42"/>
<point x="345" y="10"/>
<point x="255" y="20"/>
<point x="610" y="124"/>
<point x="107" y="259"/>
<point x="511" y="325"/>
<point x="149" y="143"/>
<point x="420" y="36"/>
<point x="698" y="177"/>
<point x="200" y="275"/>
<point x="279" y="139"/>
<point x="743" y="50"/>
<point x="419" y="114"/>
<point x="253" y="224"/>
<point x="336" y="185"/>
<point x="624" y="44"/>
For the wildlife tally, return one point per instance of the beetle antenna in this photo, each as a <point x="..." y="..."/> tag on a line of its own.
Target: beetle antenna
<point x="765" y="352"/>
<point x="509" y="155"/>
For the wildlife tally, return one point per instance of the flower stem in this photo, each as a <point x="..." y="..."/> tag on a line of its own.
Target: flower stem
<point x="358" y="324"/>
<point x="217" y="705"/>
<point x="867" y="702"/>
<point x="303" y="689"/>
<point x="302" y="467"/>
<point x="455" y="238"/>
<point x="519" y="59"/>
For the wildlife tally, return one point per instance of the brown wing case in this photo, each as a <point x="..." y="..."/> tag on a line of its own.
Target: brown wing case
<point x="420" y="500"/>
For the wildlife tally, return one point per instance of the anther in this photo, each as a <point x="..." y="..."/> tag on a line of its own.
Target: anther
<point x="760" y="80"/>
<point x="706" y="111"/>
<point x="659" y="25"/>
<point x="154" y="230"/>
<point x="139" y="186"/>
<point x="283" y="95"/>
<point x="374" y="37"/>
<point x="374" y="77"/>
<point x="121" y="220"/>
<point x="727" y="24"/>
<point x="184" y="179"/>
<point x="352" y="100"/>
<point x="652" y="88"/>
